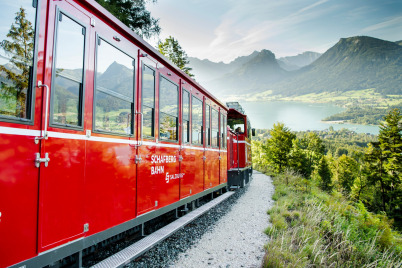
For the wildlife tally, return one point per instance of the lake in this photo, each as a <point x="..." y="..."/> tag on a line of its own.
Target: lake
<point x="298" y="116"/>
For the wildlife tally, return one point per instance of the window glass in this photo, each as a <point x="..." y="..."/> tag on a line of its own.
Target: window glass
<point x="68" y="78"/>
<point x="17" y="36"/>
<point x="168" y="110"/>
<point x="186" y="116"/>
<point x="148" y="101"/>
<point x="223" y="131"/>
<point x="215" y="128"/>
<point x="114" y="90"/>
<point x="237" y="124"/>
<point x="197" y="121"/>
<point x="208" y="124"/>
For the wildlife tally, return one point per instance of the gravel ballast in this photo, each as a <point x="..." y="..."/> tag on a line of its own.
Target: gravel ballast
<point x="229" y="235"/>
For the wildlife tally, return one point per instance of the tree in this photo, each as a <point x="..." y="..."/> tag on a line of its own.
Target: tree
<point x="325" y="175"/>
<point x="347" y="171"/>
<point x="133" y="14"/>
<point x="314" y="149"/>
<point x="173" y="51"/>
<point x="298" y="160"/>
<point x="391" y="145"/>
<point x="280" y="145"/>
<point x="21" y="49"/>
<point x="374" y="170"/>
<point x="384" y="163"/>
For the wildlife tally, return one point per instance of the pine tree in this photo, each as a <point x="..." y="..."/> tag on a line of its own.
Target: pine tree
<point x="324" y="174"/>
<point x="384" y="163"/>
<point x="133" y="14"/>
<point x="21" y="49"/>
<point x="173" y="51"/>
<point x="390" y="138"/>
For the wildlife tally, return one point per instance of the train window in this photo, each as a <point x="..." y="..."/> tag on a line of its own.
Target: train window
<point x="168" y="110"/>
<point x="148" y="101"/>
<point x="186" y="116"/>
<point x="223" y="131"/>
<point x="208" y="124"/>
<point x="68" y="74"/>
<point x="197" y="120"/>
<point x="114" y="95"/>
<point x="17" y="36"/>
<point x="237" y="124"/>
<point x="215" y="128"/>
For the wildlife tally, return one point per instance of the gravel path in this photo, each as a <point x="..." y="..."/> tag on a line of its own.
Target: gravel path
<point x="229" y="235"/>
<point x="237" y="240"/>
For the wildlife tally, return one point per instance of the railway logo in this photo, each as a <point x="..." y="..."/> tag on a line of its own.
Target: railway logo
<point x="173" y="176"/>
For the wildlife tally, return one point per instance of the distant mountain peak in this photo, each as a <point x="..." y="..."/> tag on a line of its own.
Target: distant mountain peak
<point x="291" y="63"/>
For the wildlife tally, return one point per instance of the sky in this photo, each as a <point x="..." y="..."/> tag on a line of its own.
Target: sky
<point x="221" y="30"/>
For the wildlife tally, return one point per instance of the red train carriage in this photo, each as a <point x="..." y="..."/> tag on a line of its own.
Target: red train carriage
<point x="239" y="146"/>
<point x="98" y="132"/>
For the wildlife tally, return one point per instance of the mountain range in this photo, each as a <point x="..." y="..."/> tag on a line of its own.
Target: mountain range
<point x="353" y="63"/>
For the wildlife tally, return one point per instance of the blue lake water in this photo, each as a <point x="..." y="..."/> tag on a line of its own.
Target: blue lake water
<point x="298" y="116"/>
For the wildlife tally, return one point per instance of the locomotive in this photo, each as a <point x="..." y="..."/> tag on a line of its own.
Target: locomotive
<point x="99" y="133"/>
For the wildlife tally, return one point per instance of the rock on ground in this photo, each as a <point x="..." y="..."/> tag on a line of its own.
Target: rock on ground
<point x="237" y="239"/>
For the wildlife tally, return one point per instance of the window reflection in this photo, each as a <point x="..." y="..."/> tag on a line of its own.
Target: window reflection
<point x="215" y="128"/>
<point x="68" y="78"/>
<point x="208" y="124"/>
<point x="223" y="131"/>
<point x="114" y="90"/>
<point x="186" y="116"/>
<point x="17" y="34"/>
<point x="168" y="105"/>
<point x="148" y="101"/>
<point x="197" y="121"/>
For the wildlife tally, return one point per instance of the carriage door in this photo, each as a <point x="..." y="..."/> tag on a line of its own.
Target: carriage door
<point x="62" y="170"/>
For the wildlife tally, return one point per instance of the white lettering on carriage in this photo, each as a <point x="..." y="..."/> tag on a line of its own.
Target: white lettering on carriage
<point x="157" y="170"/>
<point x="173" y="176"/>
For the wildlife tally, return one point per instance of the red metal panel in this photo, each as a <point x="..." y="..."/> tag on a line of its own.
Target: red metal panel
<point x="191" y="183"/>
<point x="110" y="184"/>
<point x="18" y="198"/>
<point x="62" y="192"/>
<point x="223" y="167"/>
<point x="211" y="168"/>
<point x="158" y="177"/>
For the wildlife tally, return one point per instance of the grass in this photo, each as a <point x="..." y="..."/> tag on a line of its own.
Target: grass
<point x="314" y="228"/>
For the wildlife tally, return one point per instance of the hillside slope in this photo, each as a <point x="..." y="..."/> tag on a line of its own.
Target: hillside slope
<point x="354" y="63"/>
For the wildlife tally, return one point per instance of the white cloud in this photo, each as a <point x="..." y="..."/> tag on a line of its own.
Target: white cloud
<point x="245" y="27"/>
<point x="389" y="23"/>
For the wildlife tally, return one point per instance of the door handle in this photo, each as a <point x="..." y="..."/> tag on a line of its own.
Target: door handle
<point x="142" y="125"/>
<point x="39" y="160"/>
<point x="44" y="133"/>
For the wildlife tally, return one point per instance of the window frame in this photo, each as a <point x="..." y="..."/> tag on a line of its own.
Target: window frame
<point x="202" y="122"/>
<point x="224" y="129"/>
<point x="81" y="102"/>
<point x="143" y="65"/>
<point x="208" y="129"/>
<point x="189" y="117"/>
<point x="218" y="135"/>
<point x="103" y="39"/>
<point x="161" y="76"/>
<point x="32" y="84"/>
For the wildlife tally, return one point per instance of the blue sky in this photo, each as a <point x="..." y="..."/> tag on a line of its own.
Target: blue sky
<point x="221" y="30"/>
